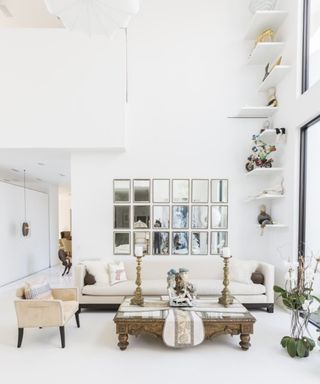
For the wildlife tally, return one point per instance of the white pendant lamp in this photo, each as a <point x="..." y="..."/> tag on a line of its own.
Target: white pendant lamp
<point x="94" y="17"/>
<point x="25" y="224"/>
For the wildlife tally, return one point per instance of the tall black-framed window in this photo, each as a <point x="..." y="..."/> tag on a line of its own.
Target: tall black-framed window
<point x="310" y="44"/>
<point x="309" y="194"/>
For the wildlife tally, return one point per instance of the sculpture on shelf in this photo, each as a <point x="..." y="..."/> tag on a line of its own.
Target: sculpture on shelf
<point x="264" y="218"/>
<point x="260" y="156"/>
<point x="276" y="190"/>
<point x="181" y="291"/>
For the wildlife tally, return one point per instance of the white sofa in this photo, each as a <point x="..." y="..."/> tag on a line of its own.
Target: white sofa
<point x="206" y="273"/>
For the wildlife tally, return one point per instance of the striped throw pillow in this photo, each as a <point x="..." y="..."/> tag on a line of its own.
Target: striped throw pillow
<point x="38" y="290"/>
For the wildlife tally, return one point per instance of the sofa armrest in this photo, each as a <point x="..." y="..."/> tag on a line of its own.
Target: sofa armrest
<point x="80" y="271"/>
<point x="39" y="313"/>
<point x="65" y="294"/>
<point x="268" y="272"/>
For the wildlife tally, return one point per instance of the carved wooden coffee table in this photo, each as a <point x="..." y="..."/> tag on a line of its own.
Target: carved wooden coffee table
<point x="152" y="322"/>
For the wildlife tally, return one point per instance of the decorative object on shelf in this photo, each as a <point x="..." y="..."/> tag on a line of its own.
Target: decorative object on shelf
<point x="181" y="291"/>
<point x="273" y="102"/>
<point x="138" y="299"/>
<point x="265" y="37"/>
<point x="25" y="224"/>
<point x="275" y="191"/>
<point x="262" y="5"/>
<point x="264" y="218"/>
<point x="298" y="298"/>
<point x="269" y="69"/>
<point x="259" y="158"/>
<point x="226" y="298"/>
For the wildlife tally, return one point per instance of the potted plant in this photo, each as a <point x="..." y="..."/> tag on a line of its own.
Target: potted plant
<point x="298" y="298"/>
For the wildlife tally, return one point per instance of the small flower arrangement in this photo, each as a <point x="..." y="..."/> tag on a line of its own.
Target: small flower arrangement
<point x="298" y="298"/>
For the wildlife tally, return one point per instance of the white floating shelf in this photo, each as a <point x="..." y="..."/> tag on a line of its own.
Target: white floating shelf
<point x="274" y="226"/>
<point x="266" y="197"/>
<point x="264" y="171"/>
<point x="259" y="112"/>
<point x="274" y="77"/>
<point x="265" y="53"/>
<point x="263" y="20"/>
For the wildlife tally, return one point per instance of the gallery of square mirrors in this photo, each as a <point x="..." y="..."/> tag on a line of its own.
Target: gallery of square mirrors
<point x="170" y="216"/>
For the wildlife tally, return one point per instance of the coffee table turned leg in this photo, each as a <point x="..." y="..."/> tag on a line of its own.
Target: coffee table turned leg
<point x="123" y="341"/>
<point x="245" y="341"/>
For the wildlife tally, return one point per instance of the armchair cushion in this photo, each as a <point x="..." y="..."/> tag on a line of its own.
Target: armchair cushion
<point x="37" y="289"/>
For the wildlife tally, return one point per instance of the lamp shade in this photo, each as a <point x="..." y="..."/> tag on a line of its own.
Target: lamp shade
<point x="94" y="17"/>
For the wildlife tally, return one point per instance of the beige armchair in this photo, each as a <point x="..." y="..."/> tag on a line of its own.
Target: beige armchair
<point x="47" y="313"/>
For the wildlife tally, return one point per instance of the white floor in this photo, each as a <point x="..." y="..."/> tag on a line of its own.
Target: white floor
<point x="92" y="355"/>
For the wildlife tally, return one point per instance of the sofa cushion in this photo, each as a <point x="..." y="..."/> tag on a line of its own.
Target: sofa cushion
<point x="102" y="289"/>
<point x="89" y="279"/>
<point x="99" y="270"/>
<point x="117" y="273"/>
<point x="241" y="271"/>
<point x="159" y="287"/>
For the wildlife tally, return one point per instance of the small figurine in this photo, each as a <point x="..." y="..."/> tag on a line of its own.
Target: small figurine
<point x="264" y="218"/>
<point x="181" y="291"/>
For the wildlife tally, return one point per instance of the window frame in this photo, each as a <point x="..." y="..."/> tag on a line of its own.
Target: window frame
<point x="305" y="46"/>
<point x="303" y="183"/>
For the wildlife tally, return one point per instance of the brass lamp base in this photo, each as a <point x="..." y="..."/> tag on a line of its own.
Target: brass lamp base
<point x="226" y="298"/>
<point x="138" y="298"/>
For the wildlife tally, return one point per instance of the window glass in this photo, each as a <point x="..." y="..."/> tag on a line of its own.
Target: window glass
<point x="314" y="42"/>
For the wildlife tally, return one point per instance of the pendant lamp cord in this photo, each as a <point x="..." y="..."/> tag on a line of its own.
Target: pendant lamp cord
<point x="24" y="195"/>
<point x="126" y="61"/>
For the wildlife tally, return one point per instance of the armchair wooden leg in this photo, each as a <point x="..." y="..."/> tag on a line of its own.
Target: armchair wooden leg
<point x="77" y="318"/>
<point x="62" y="336"/>
<point x="65" y="270"/>
<point x="20" y="337"/>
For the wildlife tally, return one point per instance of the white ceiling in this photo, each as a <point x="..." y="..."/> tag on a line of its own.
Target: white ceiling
<point x="27" y="14"/>
<point x="44" y="167"/>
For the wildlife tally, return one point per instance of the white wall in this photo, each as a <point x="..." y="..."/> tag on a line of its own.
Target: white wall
<point x="54" y="224"/>
<point x="187" y="74"/>
<point x="64" y="212"/>
<point x="21" y="256"/>
<point x="61" y="89"/>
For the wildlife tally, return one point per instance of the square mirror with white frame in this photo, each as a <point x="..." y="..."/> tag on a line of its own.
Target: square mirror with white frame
<point x="219" y="216"/>
<point x="160" y="243"/>
<point x="141" y="216"/>
<point x="199" y="243"/>
<point x="142" y="239"/>
<point x="180" y="190"/>
<point x="180" y="243"/>
<point x="121" y="191"/>
<point x="141" y="191"/>
<point x="161" y="190"/>
<point x="219" y="190"/>
<point x="180" y="216"/>
<point x="121" y="243"/>
<point x="200" y="191"/>
<point x="121" y="217"/>
<point x="219" y="240"/>
<point x="199" y="216"/>
<point x="161" y="217"/>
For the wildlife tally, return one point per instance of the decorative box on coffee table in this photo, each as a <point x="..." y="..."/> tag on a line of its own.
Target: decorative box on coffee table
<point x="217" y="320"/>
